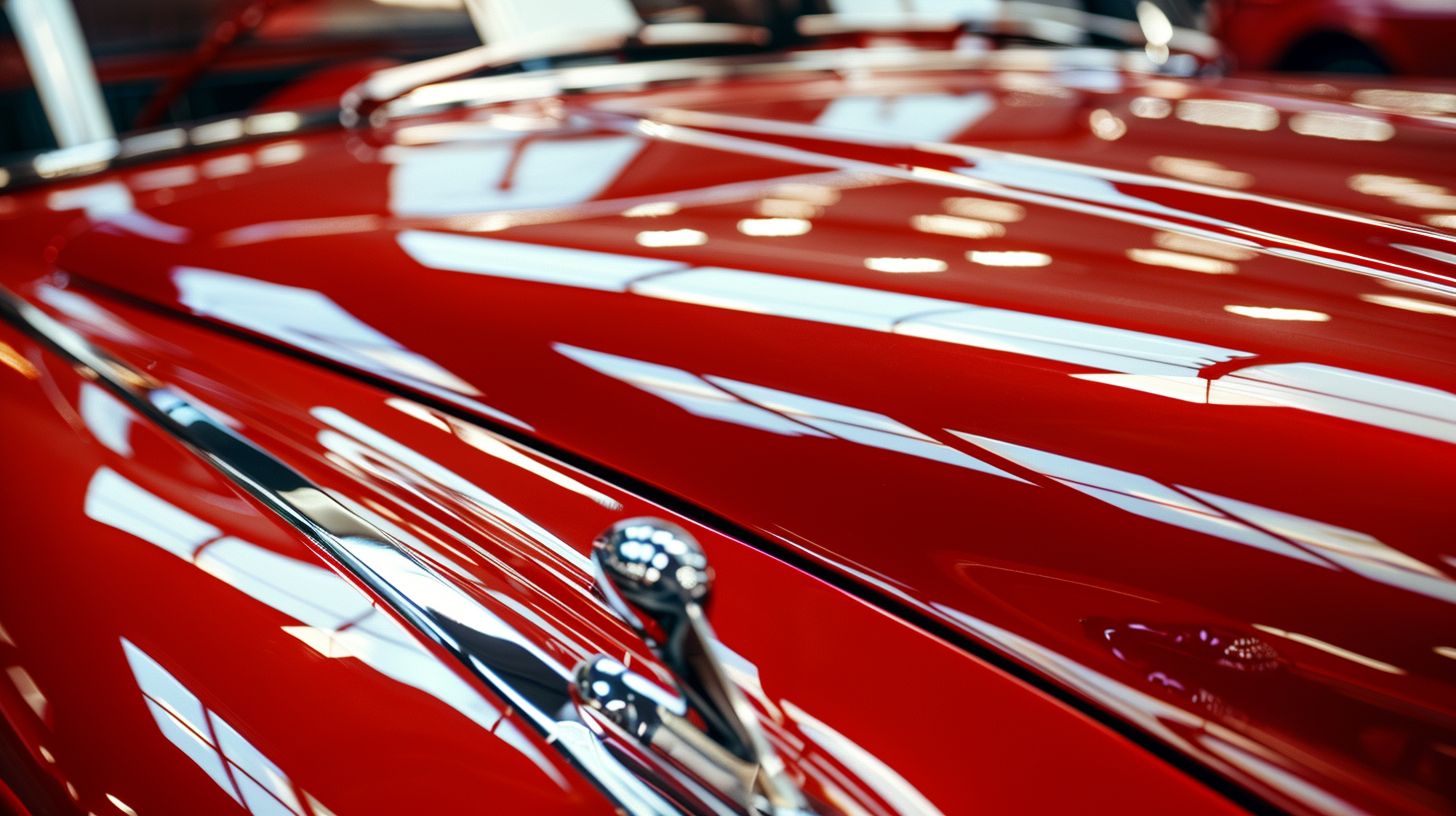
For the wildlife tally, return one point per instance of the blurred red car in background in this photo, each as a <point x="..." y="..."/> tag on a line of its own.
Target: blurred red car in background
<point x="1410" y="37"/>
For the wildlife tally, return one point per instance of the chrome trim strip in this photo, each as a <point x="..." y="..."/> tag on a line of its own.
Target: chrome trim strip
<point x="511" y="666"/>
<point x="389" y="84"/>
<point x="490" y="90"/>
<point x="60" y="65"/>
<point x="98" y="157"/>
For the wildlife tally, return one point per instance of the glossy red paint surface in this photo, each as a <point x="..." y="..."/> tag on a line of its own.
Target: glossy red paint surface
<point x="177" y="589"/>
<point x="1144" y="383"/>
<point x="169" y="647"/>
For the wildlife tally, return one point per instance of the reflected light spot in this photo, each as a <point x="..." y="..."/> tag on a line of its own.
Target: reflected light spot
<point x="1446" y="651"/>
<point x="417" y="135"/>
<point x="1167" y="88"/>
<point x="1278" y="313"/>
<point x="811" y="193"/>
<point x="276" y="122"/>
<point x="1411" y="304"/>
<point x="29" y="691"/>
<point x="1150" y="107"/>
<point x="1157" y="28"/>
<point x="320" y="640"/>
<point x="81" y="158"/>
<point x="45" y="753"/>
<point x="905" y="265"/>
<point x="180" y="176"/>
<point x="225" y="130"/>
<point x="1376" y="184"/>
<point x="490" y="222"/>
<point x="1201" y="171"/>
<point x="223" y="166"/>
<point x="281" y="153"/>
<point x="654" y="209"/>
<point x="1182" y="260"/>
<point x="1343" y="126"/>
<point x="11" y="358"/>
<point x="1179" y="242"/>
<point x="303" y="228"/>
<point x="1419" y="102"/>
<point x="672" y="238"/>
<point x="1330" y="648"/>
<point x="788" y="208"/>
<point x="1009" y="258"/>
<point x="1228" y="113"/>
<point x="773" y="227"/>
<point x="984" y="208"/>
<point x="120" y="805"/>
<point x="155" y="142"/>
<point x="1106" y="126"/>
<point x="1030" y="83"/>
<point x="957" y="226"/>
<point x="1442" y="220"/>
<point x="1429" y="201"/>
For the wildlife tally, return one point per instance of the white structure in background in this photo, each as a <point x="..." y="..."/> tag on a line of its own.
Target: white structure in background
<point x="548" y="21"/>
<point x="59" y="63"/>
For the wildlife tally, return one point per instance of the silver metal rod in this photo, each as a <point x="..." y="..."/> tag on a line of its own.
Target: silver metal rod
<point x="60" y="64"/>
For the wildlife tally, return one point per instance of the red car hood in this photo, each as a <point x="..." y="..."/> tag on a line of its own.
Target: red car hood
<point x="1147" y="384"/>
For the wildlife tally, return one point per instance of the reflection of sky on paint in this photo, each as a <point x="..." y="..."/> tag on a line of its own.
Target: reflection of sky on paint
<point x="1328" y="390"/>
<point x="513" y="259"/>
<point x="1080" y="188"/>
<point x="240" y="769"/>
<point x="106" y="418"/>
<point x="1274" y="531"/>
<point x="509" y="174"/>
<point x="312" y="321"/>
<point x="775" y="411"/>
<point x="361" y="444"/>
<point x="307" y="319"/>
<point x="894" y="789"/>
<point x="1142" y="361"/>
<point x="85" y="310"/>
<point x="110" y="205"/>
<point x="933" y="116"/>
<point x="788" y="414"/>
<point x="335" y="618"/>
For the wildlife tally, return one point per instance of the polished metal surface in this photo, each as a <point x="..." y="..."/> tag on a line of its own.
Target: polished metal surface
<point x="54" y="50"/>
<point x="488" y="90"/>
<point x="535" y="684"/>
<point x="654" y="718"/>
<point x="1042" y="21"/>
<point x="656" y="576"/>
<point x="153" y="145"/>
<point x="502" y="51"/>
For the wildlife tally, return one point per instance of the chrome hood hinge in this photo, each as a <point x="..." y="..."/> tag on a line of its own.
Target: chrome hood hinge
<point x="655" y="576"/>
